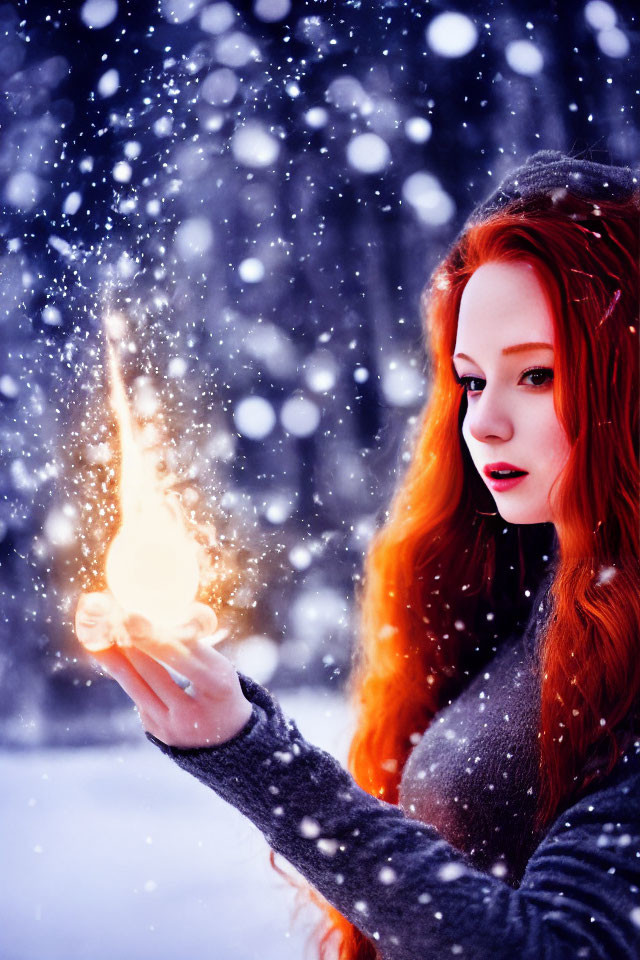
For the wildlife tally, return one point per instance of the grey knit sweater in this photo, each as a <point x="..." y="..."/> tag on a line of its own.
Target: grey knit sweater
<point x="455" y="869"/>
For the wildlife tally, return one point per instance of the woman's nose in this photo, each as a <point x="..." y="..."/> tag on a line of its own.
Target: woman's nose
<point x="488" y="418"/>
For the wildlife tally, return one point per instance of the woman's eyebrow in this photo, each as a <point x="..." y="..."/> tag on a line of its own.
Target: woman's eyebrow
<point x="514" y="348"/>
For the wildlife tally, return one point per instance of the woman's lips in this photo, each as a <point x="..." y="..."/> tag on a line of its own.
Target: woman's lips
<point x="502" y="483"/>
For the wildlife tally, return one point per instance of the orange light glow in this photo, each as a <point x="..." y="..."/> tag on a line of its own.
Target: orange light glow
<point x="152" y="563"/>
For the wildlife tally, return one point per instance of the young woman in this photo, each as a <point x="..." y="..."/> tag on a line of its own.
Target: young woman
<point x="492" y="809"/>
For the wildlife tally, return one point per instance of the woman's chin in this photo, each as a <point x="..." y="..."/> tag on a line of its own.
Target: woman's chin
<point x="511" y="513"/>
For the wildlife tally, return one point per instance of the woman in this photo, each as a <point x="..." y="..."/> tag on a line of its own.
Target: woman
<point x="493" y="807"/>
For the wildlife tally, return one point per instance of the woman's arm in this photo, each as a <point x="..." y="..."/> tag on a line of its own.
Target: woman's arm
<point x="392" y="876"/>
<point x="395" y="878"/>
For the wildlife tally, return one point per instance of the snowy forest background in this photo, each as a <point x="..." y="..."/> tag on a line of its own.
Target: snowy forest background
<point x="256" y="194"/>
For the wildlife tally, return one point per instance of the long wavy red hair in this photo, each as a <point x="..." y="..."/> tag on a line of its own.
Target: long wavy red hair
<point x="437" y="561"/>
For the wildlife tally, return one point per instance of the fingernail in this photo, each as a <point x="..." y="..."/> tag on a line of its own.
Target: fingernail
<point x="94" y="606"/>
<point x="218" y="636"/>
<point x="187" y="631"/>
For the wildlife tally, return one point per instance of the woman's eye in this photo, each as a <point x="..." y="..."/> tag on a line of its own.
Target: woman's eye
<point x="540" y="375"/>
<point x="467" y="383"/>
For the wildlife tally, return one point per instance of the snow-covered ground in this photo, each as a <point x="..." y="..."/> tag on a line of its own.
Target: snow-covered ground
<point x="116" y="854"/>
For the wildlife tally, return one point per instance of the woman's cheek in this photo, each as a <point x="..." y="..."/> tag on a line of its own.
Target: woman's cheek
<point x="466" y="435"/>
<point x="555" y="441"/>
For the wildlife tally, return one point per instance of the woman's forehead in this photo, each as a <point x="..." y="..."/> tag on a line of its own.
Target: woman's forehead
<point x="502" y="305"/>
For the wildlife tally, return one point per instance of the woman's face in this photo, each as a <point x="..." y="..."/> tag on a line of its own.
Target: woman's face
<point x="505" y="331"/>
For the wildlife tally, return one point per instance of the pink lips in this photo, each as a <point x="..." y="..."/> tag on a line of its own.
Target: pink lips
<point x="505" y="484"/>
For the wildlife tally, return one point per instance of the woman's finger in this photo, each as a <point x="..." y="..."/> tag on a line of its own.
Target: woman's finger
<point x="155" y="675"/>
<point x="94" y="622"/>
<point x="121" y="669"/>
<point x="172" y="652"/>
<point x="202" y="622"/>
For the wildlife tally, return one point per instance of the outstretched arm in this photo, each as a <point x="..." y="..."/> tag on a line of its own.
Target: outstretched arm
<point x="400" y="883"/>
<point x="392" y="876"/>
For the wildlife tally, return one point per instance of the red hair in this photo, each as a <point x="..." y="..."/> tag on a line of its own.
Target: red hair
<point x="433" y="569"/>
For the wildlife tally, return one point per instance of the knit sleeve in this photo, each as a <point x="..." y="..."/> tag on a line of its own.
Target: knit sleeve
<point x="407" y="889"/>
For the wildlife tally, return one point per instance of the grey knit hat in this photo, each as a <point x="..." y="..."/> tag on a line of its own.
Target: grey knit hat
<point x="550" y="170"/>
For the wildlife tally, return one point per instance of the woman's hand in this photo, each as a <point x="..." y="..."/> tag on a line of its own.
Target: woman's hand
<point x="210" y="710"/>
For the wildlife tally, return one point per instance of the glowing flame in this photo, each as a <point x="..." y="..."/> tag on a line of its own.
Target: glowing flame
<point x="152" y="563"/>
